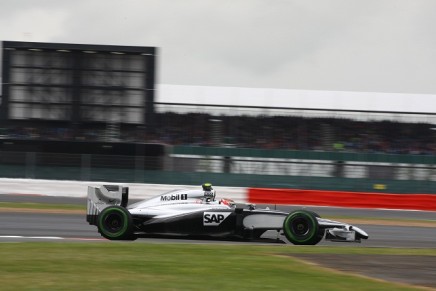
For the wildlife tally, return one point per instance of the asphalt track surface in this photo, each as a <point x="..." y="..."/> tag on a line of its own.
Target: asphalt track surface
<point x="28" y="226"/>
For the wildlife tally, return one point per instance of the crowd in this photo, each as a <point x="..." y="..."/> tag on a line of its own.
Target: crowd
<point x="264" y="132"/>
<point x="297" y="133"/>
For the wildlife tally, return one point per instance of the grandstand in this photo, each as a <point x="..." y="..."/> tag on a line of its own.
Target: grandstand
<point x="286" y="130"/>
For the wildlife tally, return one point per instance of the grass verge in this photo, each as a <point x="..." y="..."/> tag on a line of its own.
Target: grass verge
<point x="141" y="266"/>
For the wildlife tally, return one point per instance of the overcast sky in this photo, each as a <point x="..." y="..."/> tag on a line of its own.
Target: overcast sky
<point x="337" y="45"/>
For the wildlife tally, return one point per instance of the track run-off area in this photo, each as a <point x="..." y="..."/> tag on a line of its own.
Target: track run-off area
<point x="387" y="228"/>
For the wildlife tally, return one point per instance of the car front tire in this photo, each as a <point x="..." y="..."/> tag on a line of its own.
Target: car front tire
<point x="301" y="228"/>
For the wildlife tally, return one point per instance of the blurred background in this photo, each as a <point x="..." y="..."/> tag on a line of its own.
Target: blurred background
<point x="90" y="112"/>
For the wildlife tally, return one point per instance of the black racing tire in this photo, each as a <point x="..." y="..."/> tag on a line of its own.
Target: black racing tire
<point x="321" y="231"/>
<point x="116" y="223"/>
<point x="301" y="228"/>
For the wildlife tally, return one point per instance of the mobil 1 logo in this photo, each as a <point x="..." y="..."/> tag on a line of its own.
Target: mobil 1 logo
<point x="174" y="197"/>
<point x="214" y="218"/>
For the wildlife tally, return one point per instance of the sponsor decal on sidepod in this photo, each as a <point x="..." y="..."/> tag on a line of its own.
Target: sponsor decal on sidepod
<point x="214" y="218"/>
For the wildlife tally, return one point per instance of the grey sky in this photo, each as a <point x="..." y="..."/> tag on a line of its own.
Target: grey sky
<point x="338" y="45"/>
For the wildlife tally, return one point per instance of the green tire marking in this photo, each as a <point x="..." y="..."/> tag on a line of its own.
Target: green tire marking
<point x="289" y="233"/>
<point x="116" y="234"/>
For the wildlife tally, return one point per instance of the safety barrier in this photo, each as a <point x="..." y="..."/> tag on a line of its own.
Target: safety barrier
<point x="239" y="194"/>
<point x="342" y="199"/>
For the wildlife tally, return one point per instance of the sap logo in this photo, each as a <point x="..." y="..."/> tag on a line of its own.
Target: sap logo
<point x="174" y="197"/>
<point x="214" y="218"/>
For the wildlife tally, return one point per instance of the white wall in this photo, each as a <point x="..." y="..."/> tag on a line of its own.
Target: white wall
<point x="79" y="189"/>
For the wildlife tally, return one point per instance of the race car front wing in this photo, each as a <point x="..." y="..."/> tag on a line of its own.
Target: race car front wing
<point x="341" y="232"/>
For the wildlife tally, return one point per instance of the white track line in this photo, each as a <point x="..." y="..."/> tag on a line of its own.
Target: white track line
<point x="49" y="238"/>
<point x="31" y="237"/>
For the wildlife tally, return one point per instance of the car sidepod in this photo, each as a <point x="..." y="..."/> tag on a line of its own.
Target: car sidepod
<point x="219" y="222"/>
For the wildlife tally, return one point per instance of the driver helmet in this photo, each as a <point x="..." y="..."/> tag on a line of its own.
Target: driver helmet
<point x="209" y="192"/>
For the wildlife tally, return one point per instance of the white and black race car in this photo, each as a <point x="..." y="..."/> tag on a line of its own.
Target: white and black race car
<point x="198" y="213"/>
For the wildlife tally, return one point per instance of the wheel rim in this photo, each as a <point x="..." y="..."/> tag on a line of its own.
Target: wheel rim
<point x="300" y="226"/>
<point x="113" y="222"/>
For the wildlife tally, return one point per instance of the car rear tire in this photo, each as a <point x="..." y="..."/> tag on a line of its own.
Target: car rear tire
<point x="301" y="228"/>
<point x="115" y="223"/>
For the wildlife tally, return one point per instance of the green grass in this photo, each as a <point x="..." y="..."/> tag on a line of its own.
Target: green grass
<point x="148" y="266"/>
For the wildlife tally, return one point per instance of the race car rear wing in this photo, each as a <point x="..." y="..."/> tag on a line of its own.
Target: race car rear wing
<point x="101" y="197"/>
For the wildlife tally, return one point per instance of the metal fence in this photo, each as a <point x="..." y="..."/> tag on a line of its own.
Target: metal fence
<point x="195" y="166"/>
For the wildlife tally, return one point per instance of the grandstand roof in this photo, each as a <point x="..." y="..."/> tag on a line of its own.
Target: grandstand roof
<point x="267" y="97"/>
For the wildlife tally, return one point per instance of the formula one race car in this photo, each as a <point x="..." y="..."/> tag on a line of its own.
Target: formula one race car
<point x="198" y="213"/>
